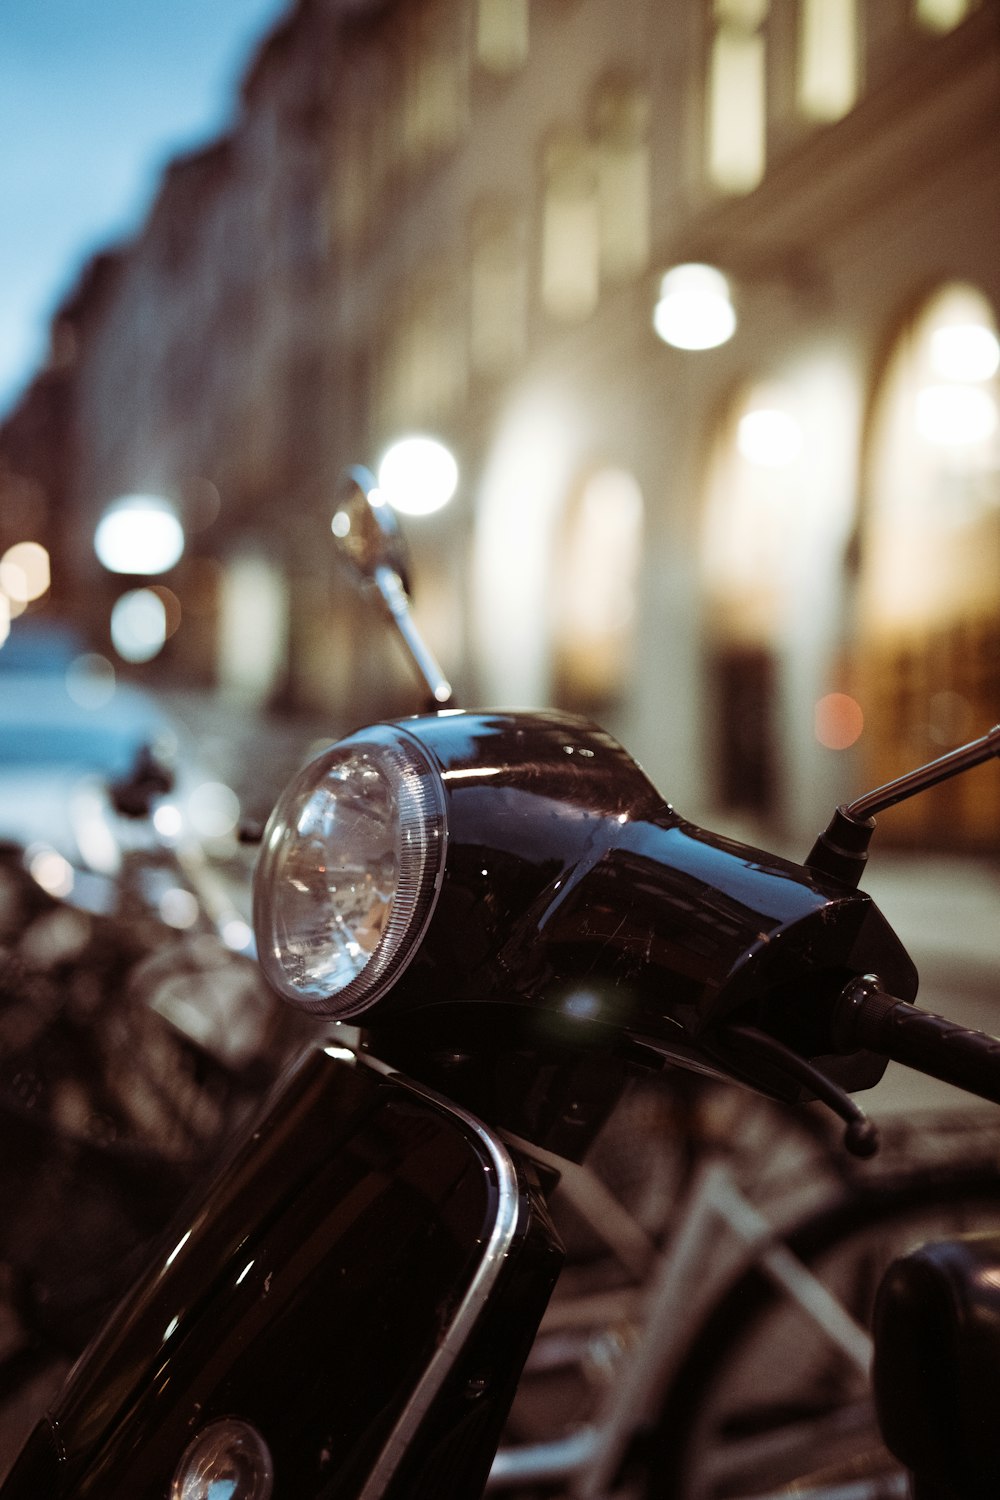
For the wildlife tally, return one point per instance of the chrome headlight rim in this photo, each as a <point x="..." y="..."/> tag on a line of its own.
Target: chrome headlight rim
<point x="229" y="1449"/>
<point x="421" y="841"/>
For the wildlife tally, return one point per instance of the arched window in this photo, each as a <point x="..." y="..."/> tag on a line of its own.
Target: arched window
<point x="596" y="565"/>
<point x="435" y="80"/>
<point x="828" y="58"/>
<point x="620" y="125"/>
<point x="498" y="290"/>
<point x="502" y="31"/>
<point x="930" y="581"/>
<point x="423" y="366"/>
<point x="753" y="501"/>
<point x="571" y="242"/>
<point x="752" y="526"/>
<point x="736" y="95"/>
<point x="942" y="15"/>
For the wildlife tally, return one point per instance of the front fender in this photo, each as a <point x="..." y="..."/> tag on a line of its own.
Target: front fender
<point x="361" y="1285"/>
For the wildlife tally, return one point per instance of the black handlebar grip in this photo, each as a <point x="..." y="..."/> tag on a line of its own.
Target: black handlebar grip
<point x="868" y="1016"/>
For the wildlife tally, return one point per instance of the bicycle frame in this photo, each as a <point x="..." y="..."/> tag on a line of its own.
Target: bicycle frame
<point x="589" y="1460"/>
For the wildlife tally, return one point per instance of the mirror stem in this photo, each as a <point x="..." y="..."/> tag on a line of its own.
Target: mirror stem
<point x="941" y="769"/>
<point x="393" y="594"/>
<point x="842" y="849"/>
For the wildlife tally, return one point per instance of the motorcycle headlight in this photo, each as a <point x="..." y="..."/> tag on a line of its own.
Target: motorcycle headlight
<point x="230" y="1459"/>
<point x="349" y="872"/>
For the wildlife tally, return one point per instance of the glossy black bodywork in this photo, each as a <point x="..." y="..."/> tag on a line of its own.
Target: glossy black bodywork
<point x="580" y="925"/>
<point x="579" y="911"/>
<point x="309" y="1295"/>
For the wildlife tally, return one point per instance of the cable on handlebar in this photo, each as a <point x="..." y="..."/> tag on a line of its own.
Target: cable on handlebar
<point x="861" y="1134"/>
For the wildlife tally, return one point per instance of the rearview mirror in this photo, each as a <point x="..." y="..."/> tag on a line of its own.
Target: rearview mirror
<point x="369" y="540"/>
<point x="365" y="527"/>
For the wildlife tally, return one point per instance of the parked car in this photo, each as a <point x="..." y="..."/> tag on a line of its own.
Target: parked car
<point x="94" y="770"/>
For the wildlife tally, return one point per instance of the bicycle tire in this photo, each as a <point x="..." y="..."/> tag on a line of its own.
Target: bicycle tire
<point x="710" y="1442"/>
<point x="662" y="1130"/>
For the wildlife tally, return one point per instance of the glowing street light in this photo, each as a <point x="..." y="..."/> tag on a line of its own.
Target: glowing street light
<point x="139" y="534"/>
<point x="965" y="352"/>
<point x="25" y="573"/>
<point x="418" y="475"/>
<point x="138" y="625"/>
<point x="695" y="310"/>
<point x="769" y="437"/>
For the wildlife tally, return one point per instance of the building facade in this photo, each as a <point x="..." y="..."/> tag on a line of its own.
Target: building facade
<point x="772" y="565"/>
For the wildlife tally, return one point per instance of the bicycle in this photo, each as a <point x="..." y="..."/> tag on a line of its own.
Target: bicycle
<point x="734" y="1361"/>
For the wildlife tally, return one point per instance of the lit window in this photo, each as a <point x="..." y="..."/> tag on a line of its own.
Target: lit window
<point x="252" y="611"/>
<point x="929" y="596"/>
<point x="942" y="15"/>
<point x="957" y="356"/>
<point x="498" y="289"/>
<point x="570" y="230"/>
<point x="934" y="460"/>
<point x="351" y="198"/>
<point x="597" y="557"/>
<point x="621" y="129"/>
<point x="424" y="370"/>
<point x="434" y="90"/>
<point x="754" y="513"/>
<point x="367" y="141"/>
<point x="501" y="34"/>
<point x="737" y="96"/>
<point x="828" y="58"/>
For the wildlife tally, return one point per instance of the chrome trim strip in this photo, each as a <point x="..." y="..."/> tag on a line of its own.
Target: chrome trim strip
<point x="457" y="1333"/>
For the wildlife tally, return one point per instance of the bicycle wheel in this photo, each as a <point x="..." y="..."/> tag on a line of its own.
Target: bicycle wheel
<point x="764" y="1404"/>
<point x="645" y="1158"/>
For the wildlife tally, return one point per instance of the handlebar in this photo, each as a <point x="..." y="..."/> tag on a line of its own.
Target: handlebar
<point x="867" y="1016"/>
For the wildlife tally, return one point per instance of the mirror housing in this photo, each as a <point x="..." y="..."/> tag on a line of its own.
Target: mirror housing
<point x="370" y="542"/>
<point x="365" y="528"/>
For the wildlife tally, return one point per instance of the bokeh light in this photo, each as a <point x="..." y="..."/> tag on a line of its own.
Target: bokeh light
<point x="139" y="534"/>
<point x="168" y="820"/>
<point x="839" y="721"/>
<point x="956" y="416"/>
<point x="51" y="871"/>
<point x="138" y="625"/>
<point x="91" y="681"/>
<point x="171" y="607"/>
<point x="695" y="309"/>
<point x="769" y="437"/>
<point x="178" y="907"/>
<point x="418" y="475"/>
<point x="214" y="810"/>
<point x="25" y="572"/>
<point x="202" y="503"/>
<point x="237" y="935"/>
<point x="965" y="352"/>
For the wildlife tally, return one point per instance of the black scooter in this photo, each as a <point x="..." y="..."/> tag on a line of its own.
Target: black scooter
<point x="515" y="919"/>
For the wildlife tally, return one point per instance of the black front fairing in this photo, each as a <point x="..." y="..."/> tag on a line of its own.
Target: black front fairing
<point x="578" y="911"/>
<point x="361" y="1285"/>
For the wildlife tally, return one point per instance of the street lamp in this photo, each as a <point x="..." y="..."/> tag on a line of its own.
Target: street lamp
<point x="695" y="309"/>
<point x="418" y="475"/>
<point x="139" y="534"/>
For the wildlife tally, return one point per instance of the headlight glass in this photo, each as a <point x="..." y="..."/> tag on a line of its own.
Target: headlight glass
<point x="230" y="1459"/>
<point x="349" y="871"/>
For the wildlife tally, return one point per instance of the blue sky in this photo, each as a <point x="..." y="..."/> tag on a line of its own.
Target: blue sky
<point x="95" y="97"/>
